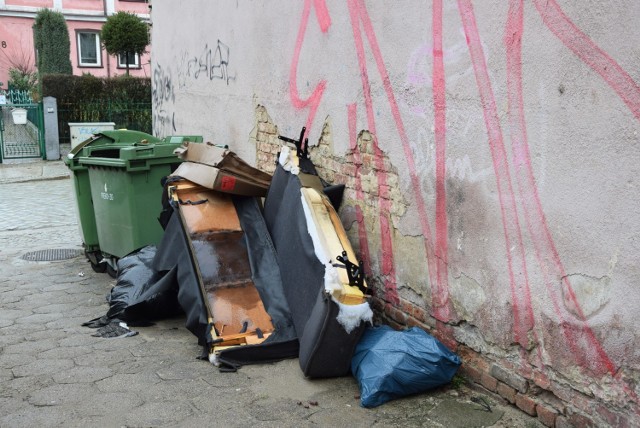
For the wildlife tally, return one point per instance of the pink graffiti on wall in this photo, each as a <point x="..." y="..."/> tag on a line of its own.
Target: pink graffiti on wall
<point x="585" y="346"/>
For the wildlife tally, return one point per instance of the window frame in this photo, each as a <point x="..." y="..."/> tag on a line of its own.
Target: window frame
<point x="98" y="48"/>
<point x="137" y="65"/>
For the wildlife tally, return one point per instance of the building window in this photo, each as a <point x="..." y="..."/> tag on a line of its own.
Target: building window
<point x="132" y="58"/>
<point x="89" y="54"/>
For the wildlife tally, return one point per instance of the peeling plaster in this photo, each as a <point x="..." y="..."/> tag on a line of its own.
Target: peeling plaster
<point x="591" y="293"/>
<point x="467" y="296"/>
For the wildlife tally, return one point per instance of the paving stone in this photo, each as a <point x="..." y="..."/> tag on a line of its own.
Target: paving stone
<point x="112" y="404"/>
<point x="59" y="394"/>
<point x="45" y="335"/>
<point x="69" y="323"/>
<point x="10" y="405"/>
<point x="184" y="370"/>
<point x="6" y="322"/>
<point x="168" y="413"/>
<point x="38" y="318"/>
<point x="40" y="417"/>
<point x="26" y="385"/>
<point x="10" y="361"/>
<point x="82" y="375"/>
<point x="13" y="314"/>
<point x="57" y="308"/>
<point x="42" y="367"/>
<point x="31" y="348"/>
<point x="108" y="358"/>
<point x="79" y="340"/>
<point x="70" y="352"/>
<point x="136" y="382"/>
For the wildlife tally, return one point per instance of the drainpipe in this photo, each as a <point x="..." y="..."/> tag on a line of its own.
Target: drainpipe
<point x="104" y="10"/>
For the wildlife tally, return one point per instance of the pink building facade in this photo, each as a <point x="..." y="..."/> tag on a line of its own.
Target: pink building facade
<point x="84" y="21"/>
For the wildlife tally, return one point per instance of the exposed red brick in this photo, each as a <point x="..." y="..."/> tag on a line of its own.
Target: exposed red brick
<point x="412" y="322"/>
<point x="419" y="313"/>
<point x="546" y="415"/>
<point x="507" y="376"/>
<point x="582" y="421"/>
<point x="489" y="382"/>
<point x="612" y="418"/>
<point x="571" y="396"/>
<point x="526" y="404"/>
<point x="470" y="372"/>
<point x="377" y="304"/>
<point x="396" y="315"/>
<point x="507" y="392"/>
<point x="395" y="325"/>
<point x="541" y="380"/>
<point x="469" y="356"/>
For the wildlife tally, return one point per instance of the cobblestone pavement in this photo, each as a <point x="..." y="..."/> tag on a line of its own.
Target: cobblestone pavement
<point x="54" y="373"/>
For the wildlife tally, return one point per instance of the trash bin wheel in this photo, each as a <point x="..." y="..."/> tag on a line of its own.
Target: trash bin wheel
<point x="113" y="273"/>
<point x="98" y="267"/>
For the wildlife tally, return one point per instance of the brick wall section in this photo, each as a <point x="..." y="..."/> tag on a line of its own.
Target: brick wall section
<point x="265" y="137"/>
<point x="555" y="403"/>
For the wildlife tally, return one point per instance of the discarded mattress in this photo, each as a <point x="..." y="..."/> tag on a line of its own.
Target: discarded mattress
<point x="324" y="288"/>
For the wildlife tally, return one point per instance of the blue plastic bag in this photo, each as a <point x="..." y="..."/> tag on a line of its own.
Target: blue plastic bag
<point x="390" y="364"/>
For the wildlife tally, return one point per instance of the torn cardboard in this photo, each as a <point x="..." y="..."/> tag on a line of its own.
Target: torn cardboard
<point x="220" y="169"/>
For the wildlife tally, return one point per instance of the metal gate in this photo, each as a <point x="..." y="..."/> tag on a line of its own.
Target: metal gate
<point x="21" y="126"/>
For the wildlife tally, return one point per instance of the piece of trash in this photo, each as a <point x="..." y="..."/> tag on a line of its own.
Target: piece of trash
<point x="481" y="401"/>
<point x="115" y="329"/>
<point x="81" y="274"/>
<point x="390" y="364"/>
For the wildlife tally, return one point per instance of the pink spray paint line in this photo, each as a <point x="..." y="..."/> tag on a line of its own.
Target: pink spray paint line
<point x="440" y="298"/>
<point x="518" y="276"/>
<point x="324" y="21"/>
<point x="357" y="160"/>
<point x="388" y="265"/>
<point x="439" y="108"/>
<point x="586" y="348"/>
<point x="585" y="49"/>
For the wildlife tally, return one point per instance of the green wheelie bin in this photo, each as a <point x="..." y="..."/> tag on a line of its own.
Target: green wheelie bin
<point x="126" y="189"/>
<point x="82" y="189"/>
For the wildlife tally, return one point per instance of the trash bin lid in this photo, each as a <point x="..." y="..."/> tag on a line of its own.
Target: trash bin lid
<point x="108" y="137"/>
<point x="138" y="157"/>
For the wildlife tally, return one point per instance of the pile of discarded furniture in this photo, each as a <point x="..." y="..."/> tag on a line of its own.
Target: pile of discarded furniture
<point x="261" y="266"/>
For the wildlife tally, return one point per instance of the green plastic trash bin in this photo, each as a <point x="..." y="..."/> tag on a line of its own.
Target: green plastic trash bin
<point x="126" y="190"/>
<point x="82" y="189"/>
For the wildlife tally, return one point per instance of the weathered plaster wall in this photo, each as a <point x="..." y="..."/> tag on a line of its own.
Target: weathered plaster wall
<point x="491" y="155"/>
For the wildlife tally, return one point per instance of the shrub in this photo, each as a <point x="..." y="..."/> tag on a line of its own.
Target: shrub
<point x="51" y="38"/>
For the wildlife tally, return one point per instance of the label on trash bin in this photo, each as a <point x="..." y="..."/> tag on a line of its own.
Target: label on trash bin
<point x="106" y="195"/>
<point x="228" y="183"/>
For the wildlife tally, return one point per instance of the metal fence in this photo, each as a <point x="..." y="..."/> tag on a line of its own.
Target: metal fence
<point x="21" y="126"/>
<point x="127" y="115"/>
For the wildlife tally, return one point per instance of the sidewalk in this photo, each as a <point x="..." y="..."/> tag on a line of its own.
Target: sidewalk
<point x="33" y="170"/>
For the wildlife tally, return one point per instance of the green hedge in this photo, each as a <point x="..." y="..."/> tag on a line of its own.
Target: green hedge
<point x="78" y="89"/>
<point x="123" y="100"/>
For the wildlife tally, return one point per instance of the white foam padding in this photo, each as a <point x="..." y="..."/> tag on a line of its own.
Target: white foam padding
<point x="349" y="316"/>
<point x="287" y="162"/>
